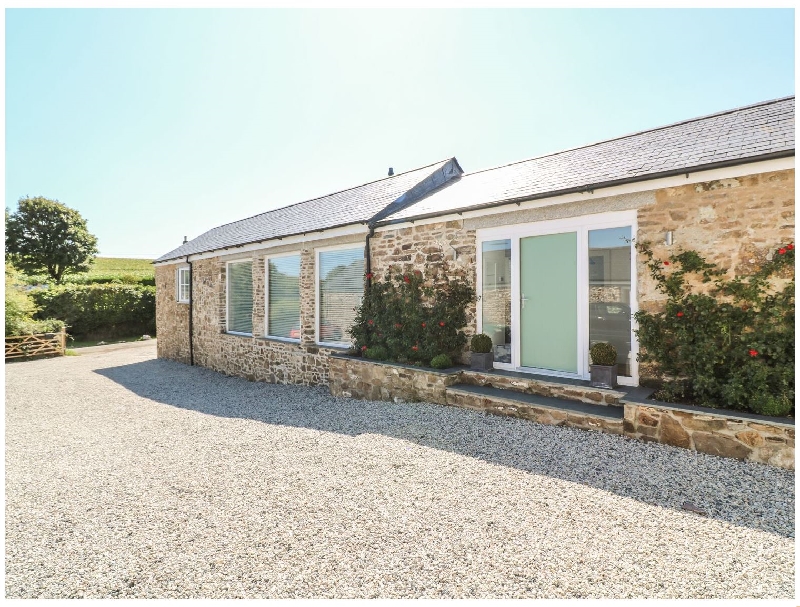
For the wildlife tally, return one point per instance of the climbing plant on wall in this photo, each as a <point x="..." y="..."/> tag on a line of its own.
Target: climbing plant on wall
<point x="721" y="341"/>
<point x="409" y="317"/>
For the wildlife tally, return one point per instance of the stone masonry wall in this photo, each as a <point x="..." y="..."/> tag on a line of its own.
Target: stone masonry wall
<point x="427" y="248"/>
<point x="172" y="318"/>
<point x="714" y="433"/>
<point x="257" y="358"/>
<point x="735" y="223"/>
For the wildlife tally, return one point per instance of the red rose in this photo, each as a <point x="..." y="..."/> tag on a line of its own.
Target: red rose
<point x="753" y="353"/>
<point x="441" y="324"/>
<point x="363" y="348"/>
<point x="415" y="348"/>
<point x="680" y="314"/>
<point x="666" y="263"/>
<point x="406" y="279"/>
<point x="397" y="325"/>
<point x="369" y="275"/>
<point x="790" y="246"/>
<point x="782" y="251"/>
<point x="369" y="322"/>
<point x="423" y="324"/>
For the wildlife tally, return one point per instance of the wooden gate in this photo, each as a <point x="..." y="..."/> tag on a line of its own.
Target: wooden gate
<point x="26" y="346"/>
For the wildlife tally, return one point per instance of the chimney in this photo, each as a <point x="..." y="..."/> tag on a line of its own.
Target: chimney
<point x="184" y="240"/>
<point x="391" y="171"/>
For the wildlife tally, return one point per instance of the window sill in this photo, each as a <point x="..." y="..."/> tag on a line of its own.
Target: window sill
<point x="237" y="334"/>
<point x="282" y="340"/>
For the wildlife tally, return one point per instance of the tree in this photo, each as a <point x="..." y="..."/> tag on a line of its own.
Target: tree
<point x="47" y="236"/>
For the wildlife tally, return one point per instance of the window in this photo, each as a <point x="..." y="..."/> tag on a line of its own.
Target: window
<point x="183" y="285"/>
<point x="283" y="297"/>
<point x="240" y="297"/>
<point x="340" y="281"/>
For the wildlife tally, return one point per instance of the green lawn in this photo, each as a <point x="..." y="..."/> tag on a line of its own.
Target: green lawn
<point x="86" y="344"/>
<point x="108" y="269"/>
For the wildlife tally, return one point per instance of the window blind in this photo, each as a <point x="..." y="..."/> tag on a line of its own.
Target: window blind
<point x="341" y="287"/>
<point x="283" y="298"/>
<point x="240" y="297"/>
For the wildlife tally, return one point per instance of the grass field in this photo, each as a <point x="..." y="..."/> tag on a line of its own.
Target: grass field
<point x="108" y="269"/>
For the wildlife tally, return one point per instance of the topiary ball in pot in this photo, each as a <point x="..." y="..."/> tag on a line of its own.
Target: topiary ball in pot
<point x="482" y="357"/>
<point x="604" y="365"/>
<point x="481" y="343"/>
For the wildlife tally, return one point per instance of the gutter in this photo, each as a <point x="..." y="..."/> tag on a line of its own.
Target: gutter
<point x="590" y="188"/>
<point x="191" y="312"/>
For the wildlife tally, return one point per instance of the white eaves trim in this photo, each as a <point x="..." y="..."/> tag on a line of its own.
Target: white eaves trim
<point x="350" y="230"/>
<point x="740" y="170"/>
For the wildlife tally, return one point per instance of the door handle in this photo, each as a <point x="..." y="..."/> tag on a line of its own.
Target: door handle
<point x="523" y="299"/>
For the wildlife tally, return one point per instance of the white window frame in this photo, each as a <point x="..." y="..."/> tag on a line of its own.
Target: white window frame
<point x="266" y="296"/>
<point x="317" y="251"/>
<point x="228" y="295"/>
<point x="178" y="271"/>
<point x="581" y="224"/>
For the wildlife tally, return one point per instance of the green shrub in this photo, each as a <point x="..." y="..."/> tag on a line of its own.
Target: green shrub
<point x="102" y="309"/>
<point x="441" y="361"/>
<point x="603" y="354"/>
<point x="481" y="343"/>
<point x="728" y="345"/>
<point x="376" y="353"/>
<point x="414" y="317"/>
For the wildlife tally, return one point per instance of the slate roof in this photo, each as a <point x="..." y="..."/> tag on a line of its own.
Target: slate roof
<point x="354" y="205"/>
<point x="736" y="136"/>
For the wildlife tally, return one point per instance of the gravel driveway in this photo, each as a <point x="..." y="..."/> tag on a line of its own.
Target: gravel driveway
<point x="128" y="476"/>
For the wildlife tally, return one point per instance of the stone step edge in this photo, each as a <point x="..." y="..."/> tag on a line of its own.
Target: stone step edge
<point x="566" y="391"/>
<point x="516" y="402"/>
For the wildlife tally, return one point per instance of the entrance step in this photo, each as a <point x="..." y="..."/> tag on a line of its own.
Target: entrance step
<point x="534" y="407"/>
<point x="553" y="387"/>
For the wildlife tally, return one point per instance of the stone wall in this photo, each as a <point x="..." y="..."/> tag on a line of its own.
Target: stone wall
<point x="172" y="318"/>
<point x="766" y="442"/>
<point x="434" y="247"/>
<point x="735" y="223"/>
<point x="725" y="434"/>
<point x="372" y="380"/>
<point x="257" y="358"/>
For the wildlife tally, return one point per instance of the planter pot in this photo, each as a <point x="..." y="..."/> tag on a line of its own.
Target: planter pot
<point x="479" y="361"/>
<point x="603" y="376"/>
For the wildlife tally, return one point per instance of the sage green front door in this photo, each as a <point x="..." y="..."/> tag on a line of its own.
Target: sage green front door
<point x="549" y="302"/>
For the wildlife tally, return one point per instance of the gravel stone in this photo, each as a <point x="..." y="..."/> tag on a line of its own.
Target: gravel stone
<point x="132" y="477"/>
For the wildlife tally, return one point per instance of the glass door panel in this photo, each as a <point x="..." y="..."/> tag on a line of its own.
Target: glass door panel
<point x="549" y="302"/>
<point x="610" y="292"/>
<point x="496" y="296"/>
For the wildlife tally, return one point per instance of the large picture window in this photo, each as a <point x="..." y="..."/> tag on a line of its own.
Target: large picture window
<point x="341" y="287"/>
<point x="283" y="297"/>
<point x="240" y="297"/>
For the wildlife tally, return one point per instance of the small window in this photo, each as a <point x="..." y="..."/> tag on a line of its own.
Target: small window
<point x="240" y="297"/>
<point x="283" y="297"/>
<point x="341" y="287"/>
<point x="183" y="285"/>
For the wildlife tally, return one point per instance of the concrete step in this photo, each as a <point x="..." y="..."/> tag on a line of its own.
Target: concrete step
<point x="553" y="387"/>
<point x="543" y="409"/>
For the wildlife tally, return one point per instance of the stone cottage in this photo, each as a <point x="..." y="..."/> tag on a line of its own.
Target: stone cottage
<point x="547" y="243"/>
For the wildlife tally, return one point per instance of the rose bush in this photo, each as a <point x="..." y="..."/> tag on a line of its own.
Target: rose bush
<point x="730" y="345"/>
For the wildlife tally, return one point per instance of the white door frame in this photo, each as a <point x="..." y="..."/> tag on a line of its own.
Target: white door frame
<point x="582" y="225"/>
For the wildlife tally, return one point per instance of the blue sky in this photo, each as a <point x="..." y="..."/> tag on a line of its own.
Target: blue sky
<point x="157" y="124"/>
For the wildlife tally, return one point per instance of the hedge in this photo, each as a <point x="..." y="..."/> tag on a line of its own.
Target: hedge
<point x="106" y="310"/>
